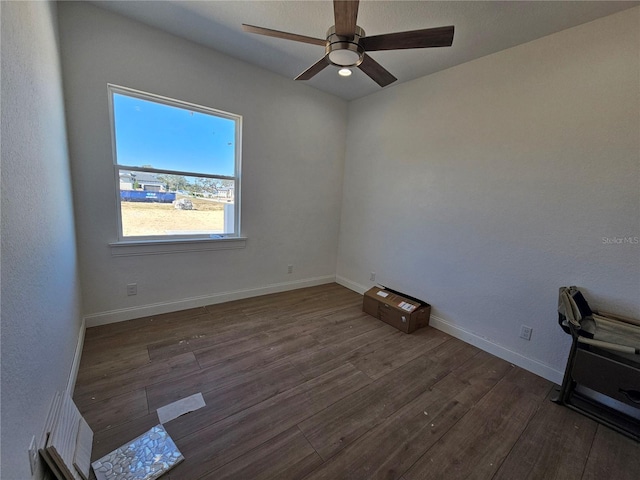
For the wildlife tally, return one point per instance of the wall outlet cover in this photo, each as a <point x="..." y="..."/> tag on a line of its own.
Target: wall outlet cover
<point x="525" y="332"/>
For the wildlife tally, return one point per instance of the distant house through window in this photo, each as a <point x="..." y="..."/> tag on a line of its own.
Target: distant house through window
<point x="177" y="167"/>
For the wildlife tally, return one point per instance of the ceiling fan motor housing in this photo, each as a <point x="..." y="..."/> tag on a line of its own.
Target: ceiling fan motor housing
<point x="344" y="51"/>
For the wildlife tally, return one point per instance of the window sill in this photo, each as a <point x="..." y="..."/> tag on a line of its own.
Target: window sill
<point x="128" y="248"/>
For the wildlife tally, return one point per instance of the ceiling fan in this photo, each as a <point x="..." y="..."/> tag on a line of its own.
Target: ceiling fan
<point x="346" y="44"/>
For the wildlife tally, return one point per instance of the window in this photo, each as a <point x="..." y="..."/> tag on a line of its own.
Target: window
<point x="177" y="168"/>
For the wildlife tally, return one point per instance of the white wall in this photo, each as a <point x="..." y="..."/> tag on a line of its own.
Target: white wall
<point x="485" y="187"/>
<point x="41" y="311"/>
<point x="293" y="157"/>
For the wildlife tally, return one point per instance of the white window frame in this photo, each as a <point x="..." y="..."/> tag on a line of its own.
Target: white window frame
<point x="197" y="241"/>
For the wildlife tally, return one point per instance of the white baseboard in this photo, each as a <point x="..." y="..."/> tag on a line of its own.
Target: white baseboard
<point x="356" y="287"/>
<point x="73" y="375"/>
<point x="534" y="366"/>
<point x="122" y="314"/>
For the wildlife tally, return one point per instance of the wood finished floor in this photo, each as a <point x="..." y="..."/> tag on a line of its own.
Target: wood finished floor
<point x="303" y="385"/>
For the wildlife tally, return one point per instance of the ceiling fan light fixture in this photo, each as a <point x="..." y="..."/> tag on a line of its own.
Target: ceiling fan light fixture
<point x="344" y="57"/>
<point x="344" y="51"/>
<point x="344" y="72"/>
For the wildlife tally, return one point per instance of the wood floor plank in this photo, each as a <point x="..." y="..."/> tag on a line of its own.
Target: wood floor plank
<point x="286" y="456"/>
<point x="135" y="331"/>
<point x="332" y="429"/>
<point x="227" y="329"/>
<point x="481" y="440"/>
<point x="187" y="323"/>
<point x="237" y="393"/>
<point x="217" y="375"/>
<point x="314" y="300"/>
<point x="115" y="410"/>
<point x="346" y="314"/>
<point x="188" y="327"/>
<point x="353" y="327"/>
<point x="324" y="358"/>
<point x="109" y="360"/>
<point x="354" y="349"/>
<point x="391" y="448"/>
<point x="452" y="352"/>
<point x="263" y="342"/>
<point x="382" y="452"/>
<point x="530" y="383"/>
<point x="323" y="307"/>
<point x="350" y="321"/>
<point x="478" y="371"/>
<point x="234" y="340"/>
<point x="230" y="325"/>
<point x="393" y="353"/>
<point x="562" y="455"/>
<point x="222" y="442"/>
<point x="108" y="439"/>
<point x="612" y="456"/>
<point x="107" y="386"/>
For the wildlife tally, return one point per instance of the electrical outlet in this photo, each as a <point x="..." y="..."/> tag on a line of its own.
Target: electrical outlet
<point x="33" y="455"/>
<point x="525" y="332"/>
<point x="372" y="277"/>
<point x="132" y="289"/>
<point x="289" y="268"/>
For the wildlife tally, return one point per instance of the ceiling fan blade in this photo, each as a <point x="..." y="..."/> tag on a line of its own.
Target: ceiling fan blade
<point x="428" y="37"/>
<point x="376" y="71"/>
<point x="345" y="13"/>
<point x="285" y="35"/>
<point x="313" y="69"/>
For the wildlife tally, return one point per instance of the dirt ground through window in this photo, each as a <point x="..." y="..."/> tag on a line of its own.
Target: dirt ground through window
<point x="142" y="219"/>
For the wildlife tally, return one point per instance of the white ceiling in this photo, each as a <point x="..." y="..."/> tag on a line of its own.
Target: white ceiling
<point x="481" y="28"/>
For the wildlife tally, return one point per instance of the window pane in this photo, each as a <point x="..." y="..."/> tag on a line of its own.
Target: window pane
<point x="151" y="134"/>
<point x="157" y="205"/>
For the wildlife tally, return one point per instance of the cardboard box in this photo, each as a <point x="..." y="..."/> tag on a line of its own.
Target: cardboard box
<point x="405" y="313"/>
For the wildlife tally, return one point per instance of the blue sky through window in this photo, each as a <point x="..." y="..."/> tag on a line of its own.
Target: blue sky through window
<point x="172" y="138"/>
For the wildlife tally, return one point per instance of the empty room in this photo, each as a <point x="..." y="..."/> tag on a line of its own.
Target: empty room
<point x="320" y="240"/>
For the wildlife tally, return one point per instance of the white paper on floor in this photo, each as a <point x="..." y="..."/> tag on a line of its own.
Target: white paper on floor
<point x="145" y="458"/>
<point x="180" y="407"/>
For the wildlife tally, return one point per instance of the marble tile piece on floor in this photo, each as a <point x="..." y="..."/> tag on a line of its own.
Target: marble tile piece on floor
<point x="145" y="458"/>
